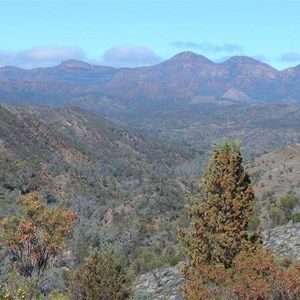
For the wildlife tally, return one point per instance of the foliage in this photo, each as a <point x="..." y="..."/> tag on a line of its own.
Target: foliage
<point x="256" y="275"/>
<point x="225" y="262"/>
<point x="37" y="236"/>
<point x="103" y="276"/>
<point x="276" y="216"/>
<point x="220" y="223"/>
<point x="287" y="204"/>
<point x="100" y="168"/>
<point x="296" y="217"/>
<point x="141" y="295"/>
<point x="254" y="223"/>
<point x="19" y="287"/>
<point x="283" y="211"/>
<point x="219" y="228"/>
<point x="253" y="275"/>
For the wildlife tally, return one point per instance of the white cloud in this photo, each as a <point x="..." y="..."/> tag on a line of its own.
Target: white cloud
<point x="42" y="56"/>
<point x="129" y="56"/>
<point x="207" y="47"/>
<point x="52" y="53"/>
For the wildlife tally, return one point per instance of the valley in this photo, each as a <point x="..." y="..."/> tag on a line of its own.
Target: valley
<point x="125" y="149"/>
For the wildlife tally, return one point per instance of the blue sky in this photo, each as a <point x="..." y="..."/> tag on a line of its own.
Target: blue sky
<point x="133" y="33"/>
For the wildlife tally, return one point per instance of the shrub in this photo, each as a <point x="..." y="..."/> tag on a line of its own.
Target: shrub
<point x="296" y="217"/>
<point x="287" y="204"/>
<point x="254" y="223"/>
<point x="104" y="276"/>
<point x="276" y="215"/>
<point x="37" y="236"/>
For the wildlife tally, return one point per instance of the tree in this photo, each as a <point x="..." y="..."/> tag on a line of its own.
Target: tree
<point x="224" y="261"/>
<point x="219" y="227"/>
<point x="36" y="236"/>
<point x="220" y="222"/>
<point x="287" y="204"/>
<point x="104" y="276"/>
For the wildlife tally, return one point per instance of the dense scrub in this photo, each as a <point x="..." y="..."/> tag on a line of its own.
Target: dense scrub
<point x="129" y="188"/>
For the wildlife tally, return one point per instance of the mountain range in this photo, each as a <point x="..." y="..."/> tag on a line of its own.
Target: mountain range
<point x="187" y="78"/>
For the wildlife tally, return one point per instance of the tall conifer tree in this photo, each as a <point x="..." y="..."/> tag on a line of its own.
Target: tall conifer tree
<point x="219" y="228"/>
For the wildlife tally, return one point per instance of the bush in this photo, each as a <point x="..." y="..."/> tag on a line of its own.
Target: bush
<point x="256" y="275"/>
<point x="296" y="217"/>
<point x="287" y="204"/>
<point x="36" y="237"/>
<point x="104" y="276"/>
<point x="175" y="259"/>
<point x="19" y="287"/>
<point x="254" y="223"/>
<point x="277" y="216"/>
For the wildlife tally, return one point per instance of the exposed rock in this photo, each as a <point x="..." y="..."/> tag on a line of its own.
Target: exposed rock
<point x="284" y="241"/>
<point x="165" y="286"/>
<point x="235" y="94"/>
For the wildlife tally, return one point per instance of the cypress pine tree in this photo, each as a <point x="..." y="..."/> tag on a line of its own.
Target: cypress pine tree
<point x="219" y="227"/>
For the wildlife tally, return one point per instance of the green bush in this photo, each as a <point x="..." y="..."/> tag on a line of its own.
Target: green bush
<point x="175" y="259"/>
<point x="254" y="223"/>
<point x="104" y="276"/>
<point x="277" y="216"/>
<point x="287" y="204"/>
<point x="296" y="217"/>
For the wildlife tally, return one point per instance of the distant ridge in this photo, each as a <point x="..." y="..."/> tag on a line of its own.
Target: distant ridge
<point x="184" y="56"/>
<point x="182" y="78"/>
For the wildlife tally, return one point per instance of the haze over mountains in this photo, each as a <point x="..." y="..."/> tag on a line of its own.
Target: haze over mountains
<point x="185" y="79"/>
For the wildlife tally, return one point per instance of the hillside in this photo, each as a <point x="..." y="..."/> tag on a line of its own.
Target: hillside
<point x="70" y="154"/>
<point x="277" y="172"/>
<point x="260" y="127"/>
<point x="276" y="180"/>
<point x="47" y="139"/>
<point x="74" y="140"/>
<point x="130" y="179"/>
<point x="120" y="184"/>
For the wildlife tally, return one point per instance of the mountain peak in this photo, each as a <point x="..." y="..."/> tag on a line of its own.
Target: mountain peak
<point x="189" y="56"/>
<point x="245" y="60"/>
<point x="248" y="66"/>
<point x="72" y="63"/>
<point x="242" y="60"/>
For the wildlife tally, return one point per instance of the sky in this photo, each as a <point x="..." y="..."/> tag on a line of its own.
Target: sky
<point x="134" y="33"/>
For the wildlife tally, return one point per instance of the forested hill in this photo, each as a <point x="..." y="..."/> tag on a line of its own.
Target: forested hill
<point x="129" y="180"/>
<point x="122" y="186"/>
<point x="117" y="182"/>
<point x="80" y="147"/>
